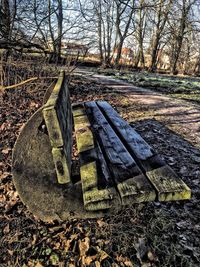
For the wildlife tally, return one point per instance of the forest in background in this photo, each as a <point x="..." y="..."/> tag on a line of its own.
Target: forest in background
<point x="161" y="34"/>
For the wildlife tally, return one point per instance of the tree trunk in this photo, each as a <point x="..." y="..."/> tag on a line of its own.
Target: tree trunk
<point x="119" y="52"/>
<point x="154" y="54"/>
<point x="60" y="28"/>
<point x="52" y="57"/>
<point x="5" y="25"/>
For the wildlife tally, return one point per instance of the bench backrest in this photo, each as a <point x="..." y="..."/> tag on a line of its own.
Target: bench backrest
<point x="58" y="119"/>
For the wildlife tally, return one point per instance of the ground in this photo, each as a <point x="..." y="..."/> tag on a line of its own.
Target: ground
<point x="149" y="234"/>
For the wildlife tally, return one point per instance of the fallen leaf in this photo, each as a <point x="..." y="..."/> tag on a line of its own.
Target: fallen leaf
<point x="6" y="230"/>
<point x="57" y="245"/>
<point x="11" y="252"/>
<point x="87" y="260"/>
<point x="3" y="126"/>
<point x="2" y="200"/>
<point x="80" y="228"/>
<point x="146" y="265"/>
<point x="10" y="205"/>
<point x="97" y="264"/>
<point x="128" y="263"/>
<point x="38" y="264"/>
<point x="102" y="255"/>
<point x="34" y="105"/>
<point x="151" y="256"/>
<point x="69" y="242"/>
<point x="6" y="151"/>
<point x="3" y="175"/>
<point x="84" y="246"/>
<point x="34" y="240"/>
<point x="101" y="223"/>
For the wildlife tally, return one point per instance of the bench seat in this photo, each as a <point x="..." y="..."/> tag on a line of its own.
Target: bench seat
<point x="116" y="162"/>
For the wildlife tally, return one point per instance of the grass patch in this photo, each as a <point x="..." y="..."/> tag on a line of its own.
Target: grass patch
<point x="184" y="87"/>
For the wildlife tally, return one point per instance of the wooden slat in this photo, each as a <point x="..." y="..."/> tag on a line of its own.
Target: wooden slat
<point x="98" y="190"/>
<point x="53" y="126"/>
<point x="132" y="185"/>
<point x="50" y="114"/>
<point x="58" y="119"/>
<point x="95" y="199"/>
<point x="167" y="184"/>
<point x="137" y="144"/>
<point x="84" y="135"/>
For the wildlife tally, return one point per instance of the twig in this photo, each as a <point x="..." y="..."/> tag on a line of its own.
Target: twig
<point x="24" y="82"/>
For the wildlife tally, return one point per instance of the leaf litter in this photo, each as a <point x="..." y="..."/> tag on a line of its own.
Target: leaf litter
<point x="152" y="234"/>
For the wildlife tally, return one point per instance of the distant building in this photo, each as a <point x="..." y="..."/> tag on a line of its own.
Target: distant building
<point x="68" y="48"/>
<point x="163" y="61"/>
<point x="73" y="48"/>
<point x="93" y="57"/>
<point x="127" y="55"/>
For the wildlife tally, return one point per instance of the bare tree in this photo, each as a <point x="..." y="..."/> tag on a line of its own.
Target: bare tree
<point x="140" y="25"/>
<point x="124" y="15"/>
<point x="179" y="30"/>
<point x="162" y="9"/>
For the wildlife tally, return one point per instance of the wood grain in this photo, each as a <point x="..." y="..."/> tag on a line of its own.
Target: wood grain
<point x="136" y="143"/>
<point x="98" y="190"/>
<point x="131" y="183"/>
<point x="167" y="184"/>
<point x="58" y="119"/>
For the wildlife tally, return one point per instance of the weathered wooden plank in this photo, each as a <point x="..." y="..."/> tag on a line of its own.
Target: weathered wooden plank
<point x="57" y="113"/>
<point x="62" y="169"/>
<point x="84" y="137"/>
<point x="95" y="199"/>
<point x="130" y="181"/>
<point x="167" y="184"/>
<point x="54" y="95"/>
<point x="137" y="144"/>
<point x="53" y="127"/>
<point x="58" y="119"/>
<point x="98" y="191"/>
<point x="48" y="92"/>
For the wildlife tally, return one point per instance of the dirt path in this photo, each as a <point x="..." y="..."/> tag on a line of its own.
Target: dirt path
<point x="180" y="116"/>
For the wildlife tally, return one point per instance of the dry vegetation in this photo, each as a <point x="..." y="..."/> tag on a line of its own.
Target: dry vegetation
<point x="152" y="234"/>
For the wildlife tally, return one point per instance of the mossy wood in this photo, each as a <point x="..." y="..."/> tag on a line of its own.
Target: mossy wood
<point x="117" y="167"/>
<point x="98" y="190"/>
<point x="168" y="185"/>
<point x="58" y="119"/>
<point x="35" y="177"/>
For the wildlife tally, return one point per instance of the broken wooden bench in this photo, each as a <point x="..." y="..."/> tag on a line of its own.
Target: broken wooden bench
<point x="117" y="166"/>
